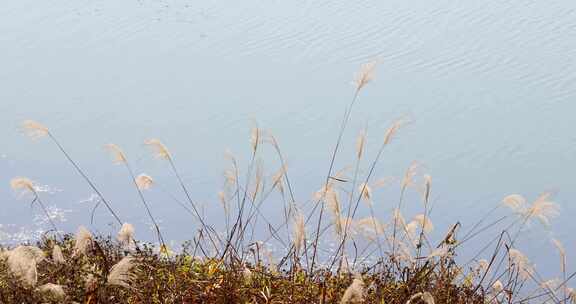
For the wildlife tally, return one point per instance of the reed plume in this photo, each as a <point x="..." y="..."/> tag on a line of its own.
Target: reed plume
<point x="497" y="287"/>
<point x="22" y="262"/>
<point x="521" y="263"/>
<point x="121" y="274"/>
<point x="34" y="130"/>
<point x="543" y="209"/>
<point x="562" y="252"/>
<point x="160" y="150"/>
<point x="126" y="235"/>
<point x="57" y="256"/>
<point x="53" y="291"/>
<point x="424" y="222"/>
<point x="426" y="297"/>
<point x="22" y="185"/>
<point x="360" y="143"/>
<point x="365" y="192"/>
<point x="255" y="138"/>
<point x="572" y="295"/>
<point x="82" y="241"/>
<point x="515" y="202"/>
<point x="355" y="292"/>
<point x="299" y="234"/>
<point x="144" y="182"/>
<point x="365" y="75"/>
<point x="408" y="178"/>
<point x="118" y="156"/>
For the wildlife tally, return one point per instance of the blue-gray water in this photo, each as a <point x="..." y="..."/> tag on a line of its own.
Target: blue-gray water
<point x="489" y="86"/>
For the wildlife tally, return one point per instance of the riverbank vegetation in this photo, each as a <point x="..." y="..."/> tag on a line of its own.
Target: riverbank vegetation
<point x="372" y="260"/>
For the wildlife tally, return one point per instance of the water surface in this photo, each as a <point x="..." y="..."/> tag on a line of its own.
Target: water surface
<point x="489" y="86"/>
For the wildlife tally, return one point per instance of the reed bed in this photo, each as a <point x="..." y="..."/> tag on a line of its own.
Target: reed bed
<point x="374" y="260"/>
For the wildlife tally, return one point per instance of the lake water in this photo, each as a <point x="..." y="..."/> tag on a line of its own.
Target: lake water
<point x="489" y="87"/>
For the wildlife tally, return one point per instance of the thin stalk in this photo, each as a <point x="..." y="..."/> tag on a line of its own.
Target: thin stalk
<point x="90" y="183"/>
<point x="331" y="167"/>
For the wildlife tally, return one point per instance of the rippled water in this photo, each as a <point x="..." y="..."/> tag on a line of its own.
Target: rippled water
<point x="489" y="85"/>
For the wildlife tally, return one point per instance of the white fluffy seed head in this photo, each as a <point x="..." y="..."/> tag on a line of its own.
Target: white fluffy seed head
<point x="57" y="256"/>
<point x="365" y="192"/>
<point x="543" y="209"/>
<point x="144" y="182"/>
<point x="355" y="292"/>
<point x="53" y="291"/>
<point x="83" y="241"/>
<point x="572" y="295"/>
<point x="424" y="222"/>
<point x="22" y="185"/>
<point x="22" y="262"/>
<point x="299" y="233"/>
<point x="121" y="274"/>
<point x="521" y="263"/>
<point x="360" y="143"/>
<point x="126" y="235"/>
<point x="426" y="297"/>
<point x="118" y="156"/>
<point x="34" y="129"/>
<point x="159" y="149"/>
<point x="497" y="286"/>
<point x="408" y="178"/>
<point x="516" y="202"/>
<point x="365" y="75"/>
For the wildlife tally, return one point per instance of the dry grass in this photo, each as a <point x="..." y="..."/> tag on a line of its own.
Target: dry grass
<point x="375" y="260"/>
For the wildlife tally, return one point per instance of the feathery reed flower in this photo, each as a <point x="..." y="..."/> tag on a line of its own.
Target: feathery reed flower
<point x="562" y="253"/>
<point x="398" y="218"/>
<point x="247" y="274"/>
<point x="22" y="185"/>
<point x="230" y="177"/>
<point x="118" y="156"/>
<point x="371" y="226"/>
<point x="365" y="75"/>
<point x="52" y="290"/>
<point x="255" y="138"/>
<point x="144" y="182"/>
<point x="83" y="241"/>
<point x="426" y="297"/>
<point x="427" y="187"/>
<point x="482" y="266"/>
<point x="521" y="263"/>
<point x="543" y="209"/>
<point x="126" y="235"/>
<point x="299" y="234"/>
<point x="22" y="262"/>
<point x="34" y="129"/>
<point x="572" y="295"/>
<point x="408" y="178"/>
<point x="278" y="179"/>
<point x="497" y="287"/>
<point x="365" y="192"/>
<point x="389" y="135"/>
<point x="360" y="143"/>
<point x="441" y="252"/>
<point x="355" y="292"/>
<point x="160" y="150"/>
<point x="121" y="273"/>
<point x="57" y="255"/>
<point x="516" y="202"/>
<point x="424" y="222"/>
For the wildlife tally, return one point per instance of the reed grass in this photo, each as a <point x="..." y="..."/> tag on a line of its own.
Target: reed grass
<point x="373" y="260"/>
